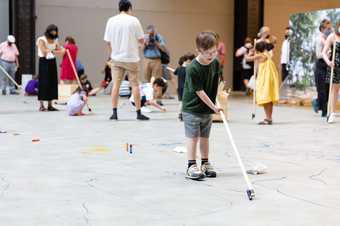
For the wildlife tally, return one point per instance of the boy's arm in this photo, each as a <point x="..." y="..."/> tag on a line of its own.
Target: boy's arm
<point x="204" y="97"/>
<point x="154" y="103"/>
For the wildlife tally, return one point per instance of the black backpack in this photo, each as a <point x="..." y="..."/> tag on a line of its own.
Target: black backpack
<point x="165" y="56"/>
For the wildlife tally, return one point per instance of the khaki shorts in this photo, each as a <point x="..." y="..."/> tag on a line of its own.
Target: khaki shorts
<point x="152" y="68"/>
<point x="119" y="70"/>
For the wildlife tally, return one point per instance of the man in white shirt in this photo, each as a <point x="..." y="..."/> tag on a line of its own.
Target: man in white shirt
<point x="285" y="54"/>
<point x="124" y="34"/>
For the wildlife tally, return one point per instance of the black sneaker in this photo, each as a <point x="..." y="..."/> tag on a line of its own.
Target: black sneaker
<point x="114" y="116"/>
<point x="50" y="108"/>
<point x="194" y="173"/>
<point x="180" y="117"/>
<point x="324" y="114"/>
<point x="208" y="170"/>
<point x="142" y="117"/>
<point x="315" y="105"/>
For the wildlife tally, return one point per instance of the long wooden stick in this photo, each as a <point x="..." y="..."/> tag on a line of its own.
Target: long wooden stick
<point x="75" y="73"/>
<point x="74" y="69"/>
<point x="330" y="100"/>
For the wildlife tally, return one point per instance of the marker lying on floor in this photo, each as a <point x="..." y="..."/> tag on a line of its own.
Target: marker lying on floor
<point x="130" y="148"/>
<point x="35" y="139"/>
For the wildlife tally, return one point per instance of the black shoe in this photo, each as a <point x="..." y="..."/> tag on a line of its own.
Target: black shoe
<point x="142" y="117"/>
<point x="114" y="116"/>
<point x="315" y="105"/>
<point x="208" y="170"/>
<point x="180" y="117"/>
<point x="50" y="108"/>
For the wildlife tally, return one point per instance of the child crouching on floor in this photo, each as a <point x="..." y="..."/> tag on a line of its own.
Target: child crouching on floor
<point x="76" y="103"/>
<point x="78" y="100"/>
<point x="150" y="92"/>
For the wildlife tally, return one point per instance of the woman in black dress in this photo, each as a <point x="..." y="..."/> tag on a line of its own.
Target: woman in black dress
<point x="48" y="48"/>
<point x="333" y="43"/>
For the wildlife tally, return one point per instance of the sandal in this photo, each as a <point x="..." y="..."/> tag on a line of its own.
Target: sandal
<point x="42" y="109"/>
<point x="266" y="122"/>
<point x="50" y="108"/>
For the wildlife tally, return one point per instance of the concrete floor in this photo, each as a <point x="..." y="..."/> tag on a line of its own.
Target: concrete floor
<point x="80" y="174"/>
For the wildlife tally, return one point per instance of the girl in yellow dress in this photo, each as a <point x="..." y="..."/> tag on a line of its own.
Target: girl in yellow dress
<point x="267" y="82"/>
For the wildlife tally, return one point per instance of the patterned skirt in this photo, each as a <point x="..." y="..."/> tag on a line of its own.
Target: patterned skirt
<point x="336" y="76"/>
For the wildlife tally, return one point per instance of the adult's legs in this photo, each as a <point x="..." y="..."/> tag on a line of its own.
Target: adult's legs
<point x="11" y="69"/>
<point x="334" y="96"/>
<point x="147" y="70"/>
<point x="3" y="79"/>
<point x="117" y="75"/>
<point x="268" y="110"/>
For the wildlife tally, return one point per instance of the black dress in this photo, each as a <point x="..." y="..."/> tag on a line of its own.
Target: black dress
<point x="48" y="79"/>
<point x="336" y="78"/>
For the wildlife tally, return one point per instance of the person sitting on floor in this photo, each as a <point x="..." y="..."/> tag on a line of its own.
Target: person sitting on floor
<point x="149" y="94"/>
<point x="31" y="88"/>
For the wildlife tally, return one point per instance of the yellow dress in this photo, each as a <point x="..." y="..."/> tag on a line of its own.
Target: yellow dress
<point x="267" y="82"/>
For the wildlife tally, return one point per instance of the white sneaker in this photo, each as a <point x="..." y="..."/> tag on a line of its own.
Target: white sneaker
<point x="331" y="118"/>
<point x="146" y="110"/>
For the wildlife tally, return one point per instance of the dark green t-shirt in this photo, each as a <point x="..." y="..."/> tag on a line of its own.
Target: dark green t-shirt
<point x="200" y="77"/>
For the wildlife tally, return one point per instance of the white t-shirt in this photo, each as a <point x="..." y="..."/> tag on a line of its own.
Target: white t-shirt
<point x="145" y="90"/>
<point x="285" y="52"/>
<point x="50" y="46"/>
<point x="320" y="43"/>
<point x="75" y="104"/>
<point x="123" y="32"/>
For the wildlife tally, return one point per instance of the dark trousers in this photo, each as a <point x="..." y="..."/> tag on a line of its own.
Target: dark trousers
<point x="320" y="71"/>
<point x="284" y="72"/>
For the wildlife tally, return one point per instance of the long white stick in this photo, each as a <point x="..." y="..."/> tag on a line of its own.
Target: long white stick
<point x="254" y="93"/>
<point x="231" y="138"/>
<point x="9" y="77"/>
<point x="330" y="99"/>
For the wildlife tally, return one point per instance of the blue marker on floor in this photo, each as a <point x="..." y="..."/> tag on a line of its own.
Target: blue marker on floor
<point x="130" y="148"/>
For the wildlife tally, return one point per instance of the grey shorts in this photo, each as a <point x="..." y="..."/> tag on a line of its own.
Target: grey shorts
<point x="197" y="125"/>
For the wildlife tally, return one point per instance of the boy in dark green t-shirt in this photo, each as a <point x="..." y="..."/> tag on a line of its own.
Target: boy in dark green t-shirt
<point x="200" y="90"/>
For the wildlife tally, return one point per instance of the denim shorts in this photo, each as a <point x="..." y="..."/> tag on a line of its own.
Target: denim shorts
<point x="197" y="125"/>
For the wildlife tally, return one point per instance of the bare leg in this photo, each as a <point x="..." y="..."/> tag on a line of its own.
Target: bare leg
<point x="245" y="82"/>
<point x="270" y="108"/>
<point x="334" y="96"/>
<point x="204" y="147"/>
<point x="136" y="95"/>
<point x="267" y="111"/>
<point x="115" y="94"/>
<point x="192" y="148"/>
